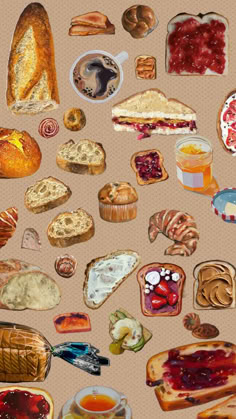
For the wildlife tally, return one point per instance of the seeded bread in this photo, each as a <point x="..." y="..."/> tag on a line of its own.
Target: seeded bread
<point x="69" y="228"/>
<point x="224" y="410"/>
<point x="84" y="157"/>
<point x="46" y="194"/>
<point x="171" y="399"/>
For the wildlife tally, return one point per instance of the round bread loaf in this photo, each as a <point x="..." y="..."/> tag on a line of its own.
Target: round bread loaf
<point x="139" y="21"/>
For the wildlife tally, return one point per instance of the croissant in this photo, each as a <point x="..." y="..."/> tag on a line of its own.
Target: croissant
<point x="178" y="226"/>
<point x="8" y="221"/>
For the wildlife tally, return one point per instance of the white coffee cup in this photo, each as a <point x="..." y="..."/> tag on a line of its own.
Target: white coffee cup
<point x="119" y="59"/>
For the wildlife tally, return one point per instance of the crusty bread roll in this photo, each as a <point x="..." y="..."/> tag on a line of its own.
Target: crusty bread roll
<point x="117" y="202"/>
<point x="32" y="82"/>
<point x="139" y="20"/>
<point x="20" y="154"/>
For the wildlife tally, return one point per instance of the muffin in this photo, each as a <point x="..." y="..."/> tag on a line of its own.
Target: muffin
<point x="117" y="202"/>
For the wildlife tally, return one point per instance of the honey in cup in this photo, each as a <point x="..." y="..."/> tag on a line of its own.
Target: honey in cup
<point x="194" y="163"/>
<point x="97" y="402"/>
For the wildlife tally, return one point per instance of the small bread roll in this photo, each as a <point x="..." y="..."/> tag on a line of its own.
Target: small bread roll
<point x="74" y="119"/>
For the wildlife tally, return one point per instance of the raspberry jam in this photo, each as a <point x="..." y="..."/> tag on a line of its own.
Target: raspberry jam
<point x="148" y="166"/>
<point x="201" y="369"/>
<point x="195" y="47"/>
<point x="18" y="404"/>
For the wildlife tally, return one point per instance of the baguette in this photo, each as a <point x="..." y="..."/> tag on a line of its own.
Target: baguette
<point x="104" y="278"/>
<point x="84" y="157"/>
<point x="69" y="228"/>
<point x="32" y="82"/>
<point x="46" y="194"/>
<point x="202" y="370"/>
<point x="25" y="286"/>
<point x="20" y="400"/>
<point x="223" y="410"/>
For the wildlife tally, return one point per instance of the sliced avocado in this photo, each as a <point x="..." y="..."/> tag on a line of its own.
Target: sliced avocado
<point x="113" y="318"/>
<point x="139" y="345"/>
<point x="120" y="315"/>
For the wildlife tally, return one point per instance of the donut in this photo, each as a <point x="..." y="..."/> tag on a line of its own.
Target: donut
<point x="48" y="128"/>
<point x="74" y="119"/>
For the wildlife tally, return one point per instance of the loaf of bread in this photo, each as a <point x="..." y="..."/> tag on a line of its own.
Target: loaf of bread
<point x="32" y="82"/>
<point x="23" y="286"/>
<point x="223" y="410"/>
<point x="18" y="401"/>
<point x="193" y="374"/>
<point x="20" y="154"/>
<point x="45" y="194"/>
<point x="69" y="228"/>
<point x="84" y="157"/>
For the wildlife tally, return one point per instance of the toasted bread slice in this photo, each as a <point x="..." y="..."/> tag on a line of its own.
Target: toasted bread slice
<point x="223" y="410"/>
<point x="84" y="157"/>
<point x="141" y="181"/>
<point x="69" y="228"/>
<point x="172" y="399"/>
<point x="81" y="30"/>
<point x="100" y="281"/>
<point x="95" y="19"/>
<point x="179" y="285"/>
<point x="46" y="194"/>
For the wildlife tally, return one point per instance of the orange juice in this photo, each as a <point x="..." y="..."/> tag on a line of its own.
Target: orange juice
<point x="194" y="163"/>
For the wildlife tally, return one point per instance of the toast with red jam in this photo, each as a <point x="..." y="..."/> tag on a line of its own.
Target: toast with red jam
<point x="148" y="166"/>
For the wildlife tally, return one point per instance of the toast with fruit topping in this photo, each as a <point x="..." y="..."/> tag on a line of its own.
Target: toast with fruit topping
<point x="148" y="166"/>
<point x="150" y="112"/>
<point x="161" y="289"/>
<point x="197" y="45"/>
<point x="193" y="374"/>
<point x="226" y="123"/>
<point x="223" y="410"/>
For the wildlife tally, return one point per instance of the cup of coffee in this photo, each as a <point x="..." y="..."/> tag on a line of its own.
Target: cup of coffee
<point x="97" y="75"/>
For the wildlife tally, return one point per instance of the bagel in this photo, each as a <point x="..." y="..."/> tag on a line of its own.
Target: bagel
<point x="74" y="119"/>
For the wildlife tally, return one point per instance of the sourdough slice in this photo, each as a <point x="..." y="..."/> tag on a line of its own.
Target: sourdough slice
<point x="46" y="194"/>
<point x="105" y="274"/>
<point x="223" y="410"/>
<point x="201" y="18"/>
<point x="23" y="286"/>
<point x="69" y="228"/>
<point x="84" y="157"/>
<point x="171" y="399"/>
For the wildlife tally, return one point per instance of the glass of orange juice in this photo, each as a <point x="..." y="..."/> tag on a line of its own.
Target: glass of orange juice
<point x="194" y="163"/>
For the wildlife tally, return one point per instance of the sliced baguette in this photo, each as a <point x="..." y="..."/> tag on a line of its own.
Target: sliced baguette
<point x="69" y="228"/>
<point x="84" y="157"/>
<point x="46" y="194"/>
<point x="109" y="284"/>
<point x="223" y="410"/>
<point x="201" y="18"/>
<point x="171" y="399"/>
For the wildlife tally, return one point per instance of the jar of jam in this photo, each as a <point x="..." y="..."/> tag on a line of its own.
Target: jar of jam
<point x="194" y="163"/>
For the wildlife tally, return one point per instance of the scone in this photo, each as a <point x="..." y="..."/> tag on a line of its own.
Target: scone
<point x="117" y="202"/>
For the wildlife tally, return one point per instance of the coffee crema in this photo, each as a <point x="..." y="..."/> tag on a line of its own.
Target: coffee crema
<point x="96" y="76"/>
<point x="97" y="402"/>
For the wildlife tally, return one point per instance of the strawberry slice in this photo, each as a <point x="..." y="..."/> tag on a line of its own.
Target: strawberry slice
<point x="172" y="298"/>
<point x="158" y="302"/>
<point x="162" y="288"/>
<point x="231" y="139"/>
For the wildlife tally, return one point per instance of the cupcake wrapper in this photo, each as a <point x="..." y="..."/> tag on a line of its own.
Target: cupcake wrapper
<point x="118" y="213"/>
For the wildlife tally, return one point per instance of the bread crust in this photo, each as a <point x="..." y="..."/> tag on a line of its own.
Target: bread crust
<point x="35" y="16"/>
<point x="69" y="241"/>
<point x="26" y="163"/>
<point x="90" y="266"/>
<point x="199" y="16"/>
<point x="141" y="280"/>
<point x="34" y="390"/>
<point x="218" y="127"/>
<point x="51" y="204"/>
<point x="79" y="168"/>
<point x="152" y="180"/>
<point x="195" y="397"/>
<point x="210" y="413"/>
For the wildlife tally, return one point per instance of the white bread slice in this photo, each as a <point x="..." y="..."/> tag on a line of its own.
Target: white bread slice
<point x="153" y="103"/>
<point x="100" y="281"/>
<point x="84" y="157"/>
<point x="223" y="410"/>
<point x="69" y="228"/>
<point x="171" y="399"/>
<point x="32" y="390"/>
<point x="201" y="18"/>
<point x="45" y="194"/>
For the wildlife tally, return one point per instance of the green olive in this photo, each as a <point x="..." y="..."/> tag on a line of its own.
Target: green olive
<point x="115" y="348"/>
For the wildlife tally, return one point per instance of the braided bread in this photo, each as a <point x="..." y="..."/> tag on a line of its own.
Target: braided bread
<point x="8" y="221"/>
<point x="178" y="226"/>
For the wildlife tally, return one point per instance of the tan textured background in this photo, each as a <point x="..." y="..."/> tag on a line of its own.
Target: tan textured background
<point x="204" y="94"/>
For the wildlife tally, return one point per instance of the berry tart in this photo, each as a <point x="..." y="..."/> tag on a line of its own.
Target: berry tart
<point x="148" y="166"/>
<point x="161" y="289"/>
